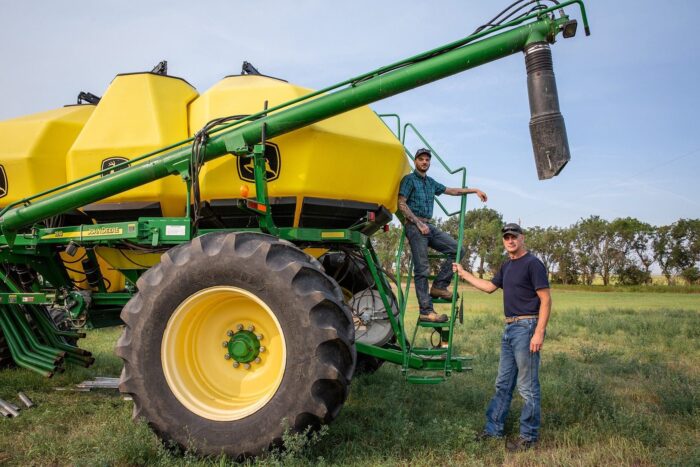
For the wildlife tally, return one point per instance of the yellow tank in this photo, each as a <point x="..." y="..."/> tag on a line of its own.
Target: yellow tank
<point x="326" y="175"/>
<point x="139" y="113"/>
<point x="33" y="150"/>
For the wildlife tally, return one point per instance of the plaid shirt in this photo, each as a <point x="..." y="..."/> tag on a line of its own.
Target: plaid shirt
<point x="419" y="192"/>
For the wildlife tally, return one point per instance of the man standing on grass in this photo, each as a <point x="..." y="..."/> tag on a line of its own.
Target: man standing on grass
<point x="416" y="194"/>
<point x="527" y="303"/>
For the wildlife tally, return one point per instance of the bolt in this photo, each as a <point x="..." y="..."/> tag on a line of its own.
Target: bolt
<point x="236" y="364"/>
<point x="251" y="328"/>
<point x="224" y="344"/>
<point x="239" y="327"/>
<point x="262" y="348"/>
<point x="259" y="337"/>
<point x="229" y="333"/>
<point x="257" y="360"/>
<point x="247" y="366"/>
<point x="227" y="356"/>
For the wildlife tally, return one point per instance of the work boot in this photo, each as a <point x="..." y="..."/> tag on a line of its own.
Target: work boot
<point x="433" y="317"/>
<point x="445" y="294"/>
<point x="520" y="445"/>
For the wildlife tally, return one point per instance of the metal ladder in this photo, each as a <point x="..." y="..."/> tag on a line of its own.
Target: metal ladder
<point x="439" y="361"/>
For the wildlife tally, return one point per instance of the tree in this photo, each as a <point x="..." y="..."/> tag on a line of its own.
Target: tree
<point x="451" y="226"/>
<point x="564" y="256"/>
<point x="483" y="232"/>
<point x="662" y="245"/>
<point x="590" y="234"/>
<point x="633" y="240"/>
<point x="543" y="244"/>
<point x="691" y="275"/>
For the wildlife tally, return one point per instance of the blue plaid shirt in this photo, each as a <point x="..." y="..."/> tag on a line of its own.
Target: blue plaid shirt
<point x="419" y="192"/>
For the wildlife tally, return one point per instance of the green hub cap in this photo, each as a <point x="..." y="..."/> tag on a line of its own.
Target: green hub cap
<point x="243" y="346"/>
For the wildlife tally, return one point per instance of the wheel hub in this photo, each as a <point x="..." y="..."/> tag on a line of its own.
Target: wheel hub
<point x="243" y="346"/>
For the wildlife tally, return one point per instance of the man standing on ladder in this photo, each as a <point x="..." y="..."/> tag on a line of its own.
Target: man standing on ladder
<point x="527" y="303"/>
<point x="416" y="194"/>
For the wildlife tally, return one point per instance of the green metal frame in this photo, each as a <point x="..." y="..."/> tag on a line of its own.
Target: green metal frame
<point x="26" y="242"/>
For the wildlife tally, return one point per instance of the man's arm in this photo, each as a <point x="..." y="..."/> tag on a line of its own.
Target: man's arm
<point x="545" y="308"/>
<point x="466" y="191"/>
<point x="410" y="217"/>
<point x="481" y="284"/>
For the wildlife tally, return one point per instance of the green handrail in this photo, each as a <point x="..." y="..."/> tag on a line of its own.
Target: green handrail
<point x="402" y="132"/>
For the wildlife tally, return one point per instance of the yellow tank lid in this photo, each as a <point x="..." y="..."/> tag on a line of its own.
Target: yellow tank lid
<point x="33" y="150"/>
<point x="350" y="162"/>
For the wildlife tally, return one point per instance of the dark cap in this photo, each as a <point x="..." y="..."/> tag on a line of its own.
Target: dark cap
<point x="511" y="229"/>
<point x="423" y="151"/>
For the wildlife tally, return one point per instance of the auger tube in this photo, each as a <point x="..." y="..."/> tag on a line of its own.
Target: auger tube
<point x="240" y="138"/>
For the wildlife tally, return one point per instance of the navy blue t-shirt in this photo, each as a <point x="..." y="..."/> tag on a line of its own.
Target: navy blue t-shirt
<point x="520" y="279"/>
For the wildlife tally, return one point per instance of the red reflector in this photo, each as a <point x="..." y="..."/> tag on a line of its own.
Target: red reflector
<point x="371" y="216"/>
<point x="386" y="227"/>
<point x="256" y="206"/>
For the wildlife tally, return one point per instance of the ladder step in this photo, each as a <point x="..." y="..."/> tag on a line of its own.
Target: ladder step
<point x="429" y="351"/>
<point x="413" y="379"/>
<point x="430" y="324"/>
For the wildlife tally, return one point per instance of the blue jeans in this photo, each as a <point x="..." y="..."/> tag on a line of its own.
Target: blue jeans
<point x="437" y="240"/>
<point x="517" y="365"/>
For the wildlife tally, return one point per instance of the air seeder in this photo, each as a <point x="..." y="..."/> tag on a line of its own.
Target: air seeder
<point x="231" y="233"/>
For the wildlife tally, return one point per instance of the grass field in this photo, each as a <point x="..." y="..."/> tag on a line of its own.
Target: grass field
<point x="620" y="386"/>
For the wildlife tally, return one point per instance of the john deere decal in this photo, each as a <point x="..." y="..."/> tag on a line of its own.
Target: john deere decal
<point x="3" y="182"/>
<point x="273" y="164"/>
<point x="110" y="162"/>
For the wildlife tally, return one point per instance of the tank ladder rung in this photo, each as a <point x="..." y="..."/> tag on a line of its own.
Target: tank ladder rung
<point x="421" y="379"/>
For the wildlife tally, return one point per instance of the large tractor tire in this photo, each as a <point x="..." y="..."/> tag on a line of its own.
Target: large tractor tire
<point x="231" y="338"/>
<point x="355" y="279"/>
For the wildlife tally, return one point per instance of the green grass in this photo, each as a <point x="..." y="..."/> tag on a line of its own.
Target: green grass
<point x="620" y="386"/>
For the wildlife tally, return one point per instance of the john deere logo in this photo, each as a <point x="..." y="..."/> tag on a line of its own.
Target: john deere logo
<point x="111" y="162"/>
<point x="246" y="165"/>
<point x="3" y="182"/>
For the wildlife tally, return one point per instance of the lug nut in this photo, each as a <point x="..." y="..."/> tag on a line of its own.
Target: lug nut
<point x="236" y="364"/>
<point x="224" y="344"/>
<point x="227" y="356"/>
<point x="239" y="327"/>
<point x="247" y="366"/>
<point x="257" y="360"/>
<point x="259" y="337"/>
<point x="229" y="333"/>
<point x="262" y="348"/>
<point x="251" y="328"/>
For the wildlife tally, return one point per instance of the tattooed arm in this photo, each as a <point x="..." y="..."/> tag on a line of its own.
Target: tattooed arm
<point x="410" y="217"/>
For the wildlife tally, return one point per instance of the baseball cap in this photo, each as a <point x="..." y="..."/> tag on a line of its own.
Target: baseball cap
<point x="423" y="151"/>
<point x="511" y="229"/>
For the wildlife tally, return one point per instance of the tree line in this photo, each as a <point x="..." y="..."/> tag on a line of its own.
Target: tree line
<point x="622" y="251"/>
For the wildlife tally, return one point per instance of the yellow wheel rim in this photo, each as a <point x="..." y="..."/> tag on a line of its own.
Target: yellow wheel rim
<point x="193" y="354"/>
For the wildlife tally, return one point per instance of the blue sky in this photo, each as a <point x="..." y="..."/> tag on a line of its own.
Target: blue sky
<point x="629" y="92"/>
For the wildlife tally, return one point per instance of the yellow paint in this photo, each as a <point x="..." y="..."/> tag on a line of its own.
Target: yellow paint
<point x="138" y="113"/>
<point x="316" y="252"/>
<point x="332" y="234"/>
<point x="193" y="358"/>
<point x="352" y="156"/>
<point x="33" y="150"/>
<point x="127" y="259"/>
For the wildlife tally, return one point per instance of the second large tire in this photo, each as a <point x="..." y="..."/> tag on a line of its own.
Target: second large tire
<point x="203" y="294"/>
